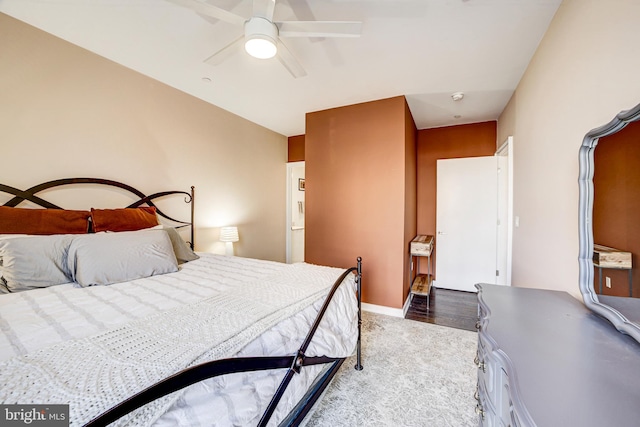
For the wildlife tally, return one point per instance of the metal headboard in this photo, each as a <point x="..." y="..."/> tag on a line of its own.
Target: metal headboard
<point x="30" y="195"/>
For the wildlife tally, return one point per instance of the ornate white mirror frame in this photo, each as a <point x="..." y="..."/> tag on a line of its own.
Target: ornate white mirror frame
<point x="585" y="225"/>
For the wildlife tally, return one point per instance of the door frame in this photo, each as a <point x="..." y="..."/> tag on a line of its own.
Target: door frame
<point x="289" y="183"/>
<point x="506" y="149"/>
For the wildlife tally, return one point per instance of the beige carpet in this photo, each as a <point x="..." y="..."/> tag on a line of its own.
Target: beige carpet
<point x="415" y="374"/>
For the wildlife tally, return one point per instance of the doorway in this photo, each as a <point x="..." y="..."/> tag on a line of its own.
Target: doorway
<point x="466" y="203"/>
<point x="295" y="211"/>
<point x="504" y="156"/>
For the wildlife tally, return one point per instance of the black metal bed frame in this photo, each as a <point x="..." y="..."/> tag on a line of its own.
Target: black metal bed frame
<point x="30" y="195"/>
<point x="214" y="368"/>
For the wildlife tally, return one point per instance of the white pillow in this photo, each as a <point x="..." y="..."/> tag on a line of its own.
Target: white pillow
<point x="181" y="249"/>
<point x="13" y="236"/>
<point x="30" y="262"/>
<point x="106" y="258"/>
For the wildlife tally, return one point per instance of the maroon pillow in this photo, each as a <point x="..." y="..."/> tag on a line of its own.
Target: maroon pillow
<point x="127" y="219"/>
<point x="43" y="221"/>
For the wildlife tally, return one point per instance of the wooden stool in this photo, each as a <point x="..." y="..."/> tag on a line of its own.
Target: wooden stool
<point x="422" y="286"/>
<point x="421" y="246"/>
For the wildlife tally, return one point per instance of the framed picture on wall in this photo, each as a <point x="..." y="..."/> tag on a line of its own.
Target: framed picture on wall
<point x="300" y="184"/>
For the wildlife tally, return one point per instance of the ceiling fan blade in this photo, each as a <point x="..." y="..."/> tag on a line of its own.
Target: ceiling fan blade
<point x="222" y="54"/>
<point x="264" y="8"/>
<point x="211" y="20"/>
<point x="289" y="61"/>
<point x="303" y="12"/>
<point x="210" y="10"/>
<point x="319" y="28"/>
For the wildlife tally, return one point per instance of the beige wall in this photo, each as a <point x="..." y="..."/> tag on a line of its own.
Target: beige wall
<point x="65" y="112"/>
<point x="584" y="72"/>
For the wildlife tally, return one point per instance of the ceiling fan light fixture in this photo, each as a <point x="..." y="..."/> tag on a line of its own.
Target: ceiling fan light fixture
<point x="260" y="47"/>
<point x="260" y="38"/>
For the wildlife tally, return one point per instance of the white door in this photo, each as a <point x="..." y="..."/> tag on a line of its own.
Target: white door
<point x="466" y="205"/>
<point x="295" y="211"/>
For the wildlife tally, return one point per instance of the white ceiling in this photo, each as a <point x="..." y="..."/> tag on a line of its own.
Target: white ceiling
<point x="423" y="49"/>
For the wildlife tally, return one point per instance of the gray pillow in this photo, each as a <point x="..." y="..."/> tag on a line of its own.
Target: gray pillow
<point x="181" y="249"/>
<point x="34" y="262"/>
<point x="106" y="258"/>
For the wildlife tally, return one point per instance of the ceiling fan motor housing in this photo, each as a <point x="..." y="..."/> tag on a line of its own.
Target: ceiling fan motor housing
<point x="260" y="37"/>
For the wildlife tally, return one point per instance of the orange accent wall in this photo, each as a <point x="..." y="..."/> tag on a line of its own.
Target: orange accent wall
<point x="472" y="140"/>
<point x="410" y="192"/>
<point x="361" y="194"/>
<point x="616" y="204"/>
<point x="295" y="148"/>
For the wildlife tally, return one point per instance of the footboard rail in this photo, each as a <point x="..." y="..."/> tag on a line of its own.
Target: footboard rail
<point x="215" y="368"/>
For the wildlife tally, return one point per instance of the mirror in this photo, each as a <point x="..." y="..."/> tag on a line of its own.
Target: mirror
<point x="611" y="220"/>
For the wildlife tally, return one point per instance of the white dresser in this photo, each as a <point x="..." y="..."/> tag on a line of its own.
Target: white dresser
<point x="544" y="359"/>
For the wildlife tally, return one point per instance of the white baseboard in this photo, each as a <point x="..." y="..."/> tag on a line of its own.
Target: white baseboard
<point x="389" y="311"/>
<point x="407" y="303"/>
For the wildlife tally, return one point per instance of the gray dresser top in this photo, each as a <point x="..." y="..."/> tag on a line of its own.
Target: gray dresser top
<point x="572" y="367"/>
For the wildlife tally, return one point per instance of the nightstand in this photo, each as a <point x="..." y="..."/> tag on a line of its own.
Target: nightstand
<point x="421" y="246"/>
<point x="606" y="257"/>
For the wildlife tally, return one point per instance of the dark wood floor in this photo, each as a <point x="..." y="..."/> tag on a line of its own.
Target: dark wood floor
<point x="456" y="309"/>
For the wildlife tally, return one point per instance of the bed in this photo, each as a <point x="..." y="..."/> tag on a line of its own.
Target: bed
<point x="124" y="323"/>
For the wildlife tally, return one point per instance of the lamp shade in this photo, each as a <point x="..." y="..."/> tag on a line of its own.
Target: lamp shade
<point x="229" y="234"/>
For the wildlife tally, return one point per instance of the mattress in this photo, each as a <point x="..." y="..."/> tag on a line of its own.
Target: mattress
<point x="36" y="321"/>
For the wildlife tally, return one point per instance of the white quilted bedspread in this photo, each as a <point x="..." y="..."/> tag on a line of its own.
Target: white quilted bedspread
<point x="94" y="347"/>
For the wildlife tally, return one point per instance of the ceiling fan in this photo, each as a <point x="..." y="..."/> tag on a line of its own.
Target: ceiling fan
<point x="262" y="35"/>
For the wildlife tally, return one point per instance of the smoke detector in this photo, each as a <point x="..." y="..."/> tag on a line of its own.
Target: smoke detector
<point x="457" y="96"/>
